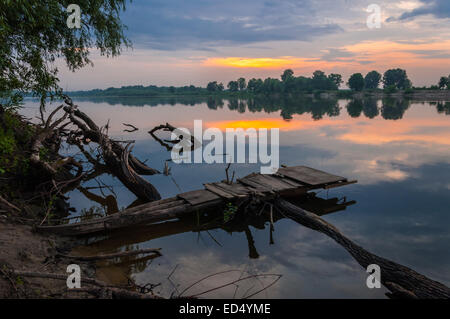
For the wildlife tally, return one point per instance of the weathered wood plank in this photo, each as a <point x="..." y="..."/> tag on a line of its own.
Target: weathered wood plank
<point x="198" y="196"/>
<point x="236" y="189"/>
<point x="270" y="182"/>
<point x="218" y="191"/>
<point x="258" y="187"/>
<point x="309" y="176"/>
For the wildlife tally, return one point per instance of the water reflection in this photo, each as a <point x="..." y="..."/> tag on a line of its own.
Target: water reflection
<point x="260" y="220"/>
<point x="391" y="108"/>
<point x="398" y="150"/>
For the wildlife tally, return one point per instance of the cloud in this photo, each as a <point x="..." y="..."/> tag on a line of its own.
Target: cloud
<point x="437" y="8"/>
<point x="334" y="54"/>
<point x="268" y="63"/>
<point x="200" y="24"/>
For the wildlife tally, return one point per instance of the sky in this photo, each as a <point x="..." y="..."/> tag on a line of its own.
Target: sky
<point x="180" y="43"/>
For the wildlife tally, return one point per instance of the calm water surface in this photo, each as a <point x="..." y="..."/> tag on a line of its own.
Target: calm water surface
<point x="399" y="151"/>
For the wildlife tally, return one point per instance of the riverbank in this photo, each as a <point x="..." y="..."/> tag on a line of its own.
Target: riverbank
<point x="421" y="95"/>
<point x="24" y="250"/>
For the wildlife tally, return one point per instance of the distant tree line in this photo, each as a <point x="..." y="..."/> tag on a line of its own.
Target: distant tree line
<point x="140" y="90"/>
<point x="287" y="84"/>
<point x="392" y="80"/>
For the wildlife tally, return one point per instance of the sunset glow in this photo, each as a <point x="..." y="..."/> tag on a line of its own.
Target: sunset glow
<point x="359" y="131"/>
<point x="265" y="63"/>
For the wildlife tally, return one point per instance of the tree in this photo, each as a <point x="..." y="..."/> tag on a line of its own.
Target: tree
<point x="220" y="87"/>
<point x="233" y="86"/>
<point x="254" y="85"/>
<point x="356" y="82"/>
<point x="336" y="79"/>
<point x="242" y="84"/>
<point x="372" y="80"/>
<point x="287" y="74"/>
<point x="212" y="86"/>
<point x="444" y="82"/>
<point x="321" y="82"/>
<point x="396" y="77"/>
<point x="34" y="34"/>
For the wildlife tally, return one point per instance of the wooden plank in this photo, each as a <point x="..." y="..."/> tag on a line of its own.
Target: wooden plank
<point x="237" y="189"/>
<point x="198" y="196"/>
<point x="257" y="187"/>
<point x="218" y="191"/>
<point x="289" y="181"/>
<point x="270" y="182"/>
<point x="310" y="176"/>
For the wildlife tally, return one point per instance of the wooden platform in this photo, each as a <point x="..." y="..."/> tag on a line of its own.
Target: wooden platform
<point x="289" y="181"/>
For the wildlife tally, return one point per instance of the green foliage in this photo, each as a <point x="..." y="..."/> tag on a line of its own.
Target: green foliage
<point x="242" y="84"/>
<point x="255" y="85"/>
<point x="34" y="33"/>
<point x="14" y="135"/>
<point x="229" y="212"/>
<point x="344" y="94"/>
<point x="356" y="82"/>
<point x="390" y="89"/>
<point x="397" y="78"/>
<point x="372" y="80"/>
<point x="444" y="82"/>
<point x="19" y="281"/>
<point x="211" y="87"/>
<point x="336" y="79"/>
<point x="287" y="75"/>
<point x="233" y="86"/>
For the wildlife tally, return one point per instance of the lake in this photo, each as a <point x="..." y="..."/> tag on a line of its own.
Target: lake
<point x="398" y="150"/>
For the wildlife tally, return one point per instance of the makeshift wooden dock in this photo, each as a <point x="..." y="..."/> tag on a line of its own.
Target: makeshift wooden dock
<point x="287" y="182"/>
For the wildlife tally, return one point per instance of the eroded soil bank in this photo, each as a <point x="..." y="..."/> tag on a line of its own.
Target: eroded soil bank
<point x="22" y="249"/>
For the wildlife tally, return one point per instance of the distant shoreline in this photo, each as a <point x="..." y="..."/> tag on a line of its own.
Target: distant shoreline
<point x="378" y="94"/>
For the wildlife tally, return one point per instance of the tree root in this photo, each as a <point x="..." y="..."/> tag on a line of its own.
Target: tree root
<point x="117" y="158"/>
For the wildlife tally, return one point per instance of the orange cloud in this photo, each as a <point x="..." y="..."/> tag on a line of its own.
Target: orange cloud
<point x="402" y="54"/>
<point x="264" y="63"/>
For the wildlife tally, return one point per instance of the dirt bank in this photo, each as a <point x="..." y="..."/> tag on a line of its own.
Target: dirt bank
<point x="22" y="249"/>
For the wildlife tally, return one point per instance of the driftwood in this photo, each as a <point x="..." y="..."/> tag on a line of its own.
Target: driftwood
<point x="48" y="132"/>
<point x="161" y="210"/>
<point x="79" y="129"/>
<point x="402" y="281"/>
<point x="168" y="144"/>
<point x="116" y="157"/>
<point x="102" y="289"/>
<point x="133" y="128"/>
<point x="4" y="202"/>
<point x="156" y="251"/>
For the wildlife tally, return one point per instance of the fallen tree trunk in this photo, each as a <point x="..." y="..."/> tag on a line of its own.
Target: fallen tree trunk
<point x="400" y="280"/>
<point x="161" y="210"/>
<point x="116" y="157"/>
<point x="155" y="251"/>
<point x="101" y="289"/>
